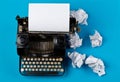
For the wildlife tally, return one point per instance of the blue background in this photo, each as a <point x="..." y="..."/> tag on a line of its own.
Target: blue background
<point x="104" y="16"/>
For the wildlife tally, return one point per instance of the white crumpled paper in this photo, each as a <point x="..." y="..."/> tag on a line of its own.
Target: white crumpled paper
<point x="96" y="65"/>
<point x="75" y="40"/>
<point x="96" y="39"/>
<point x="80" y="15"/>
<point x="77" y="59"/>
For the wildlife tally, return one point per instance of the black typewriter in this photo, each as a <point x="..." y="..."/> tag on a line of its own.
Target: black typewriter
<point x="41" y="53"/>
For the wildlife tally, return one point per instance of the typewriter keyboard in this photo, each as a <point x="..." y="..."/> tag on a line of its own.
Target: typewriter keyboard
<point x="41" y="66"/>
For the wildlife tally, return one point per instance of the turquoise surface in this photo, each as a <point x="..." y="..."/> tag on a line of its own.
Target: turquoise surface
<point x="104" y="16"/>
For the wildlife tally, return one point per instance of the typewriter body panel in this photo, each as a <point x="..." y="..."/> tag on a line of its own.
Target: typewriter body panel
<point x="40" y="53"/>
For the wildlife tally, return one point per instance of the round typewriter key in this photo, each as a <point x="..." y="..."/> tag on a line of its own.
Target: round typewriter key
<point x="56" y="66"/>
<point x="44" y="69"/>
<point x="46" y="59"/>
<point x="22" y="69"/>
<point x="51" y="69"/>
<point x="52" y="66"/>
<point x="59" y="63"/>
<point x="55" y="70"/>
<point x="37" y="62"/>
<point x="55" y="62"/>
<point x="48" y="69"/>
<point x="38" y="59"/>
<point x="28" y="66"/>
<point x="22" y="62"/>
<point x="31" y="59"/>
<point x="59" y="66"/>
<point x="57" y="59"/>
<point x="61" y="70"/>
<point x="60" y="59"/>
<point x="33" y="69"/>
<point x="58" y="69"/>
<point x="40" y="69"/>
<point x="34" y="66"/>
<point x="29" y="69"/>
<point x="50" y="59"/>
<point x="24" y="66"/>
<point x="33" y="62"/>
<point x="38" y="66"/>
<point x="30" y="62"/>
<point x="44" y="62"/>
<point x="26" y="69"/>
<point x="48" y="62"/>
<point x="40" y="62"/>
<point x="45" y="66"/>
<point x="26" y="62"/>
<point x="42" y="66"/>
<point x="43" y="59"/>
<point x="49" y="66"/>
<point x="51" y="63"/>
<point x="24" y="59"/>
<point x="31" y="66"/>
<point x="35" y="59"/>
<point x="28" y="59"/>
<point x="53" y="59"/>
<point x="36" y="69"/>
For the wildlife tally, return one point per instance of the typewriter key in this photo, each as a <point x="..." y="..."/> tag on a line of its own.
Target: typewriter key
<point x="53" y="59"/>
<point x="28" y="59"/>
<point x="61" y="70"/>
<point x="34" y="66"/>
<point x="48" y="62"/>
<point x="60" y="59"/>
<point x="42" y="66"/>
<point x="24" y="66"/>
<point x="31" y="59"/>
<point x="24" y="59"/>
<point x="26" y="62"/>
<point x="50" y="59"/>
<point x="44" y="62"/>
<point x="26" y="69"/>
<point x="40" y="69"/>
<point x="30" y="62"/>
<point x="40" y="62"/>
<point x="59" y="66"/>
<point x="45" y="66"/>
<point x="36" y="69"/>
<point x="33" y="62"/>
<point x="28" y="66"/>
<point x="51" y="63"/>
<point x="38" y="59"/>
<point x="44" y="69"/>
<point x="48" y="69"/>
<point x="33" y="69"/>
<point x="38" y="66"/>
<point x="55" y="70"/>
<point x="31" y="66"/>
<point x="22" y="69"/>
<point x="46" y="59"/>
<point x="37" y="62"/>
<point x="22" y="62"/>
<point x="29" y="69"/>
<point x="43" y="59"/>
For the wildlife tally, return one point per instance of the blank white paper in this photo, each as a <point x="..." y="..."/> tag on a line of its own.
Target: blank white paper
<point x="49" y="17"/>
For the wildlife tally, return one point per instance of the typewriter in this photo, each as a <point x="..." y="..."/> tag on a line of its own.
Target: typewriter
<point x="41" y="53"/>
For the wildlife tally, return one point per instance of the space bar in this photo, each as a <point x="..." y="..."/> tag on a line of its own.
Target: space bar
<point x="42" y="73"/>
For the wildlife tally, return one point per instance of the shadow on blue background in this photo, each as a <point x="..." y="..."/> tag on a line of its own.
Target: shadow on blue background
<point x="103" y="16"/>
